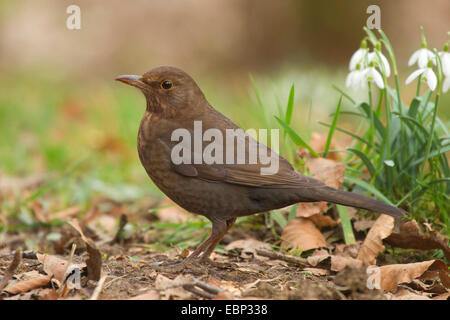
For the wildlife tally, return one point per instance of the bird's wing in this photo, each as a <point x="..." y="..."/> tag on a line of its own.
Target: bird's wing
<point x="247" y="174"/>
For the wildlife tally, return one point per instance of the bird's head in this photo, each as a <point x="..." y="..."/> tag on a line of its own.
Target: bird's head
<point x="168" y="90"/>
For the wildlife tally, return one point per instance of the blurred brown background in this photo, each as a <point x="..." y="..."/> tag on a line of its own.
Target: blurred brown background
<point x="202" y="36"/>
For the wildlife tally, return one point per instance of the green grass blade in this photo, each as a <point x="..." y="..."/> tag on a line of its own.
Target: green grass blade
<point x="290" y="106"/>
<point x="346" y="225"/>
<point x="368" y="187"/>
<point x="279" y="218"/>
<point x="344" y="94"/>
<point x="413" y="108"/>
<point x="430" y="155"/>
<point x="349" y="133"/>
<point x="364" y="159"/>
<point x="369" y="112"/>
<point x="333" y="126"/>
<point x="296" y="138"/>
<point x="293" y="212"/>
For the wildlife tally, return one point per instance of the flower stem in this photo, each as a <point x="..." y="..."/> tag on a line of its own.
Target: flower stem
<point x="371" y="133"/>
<point x="430" y="137"/>
<point x="418" y="86"/>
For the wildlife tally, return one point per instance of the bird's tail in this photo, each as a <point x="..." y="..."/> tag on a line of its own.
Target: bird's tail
<point x="355" y="200"/>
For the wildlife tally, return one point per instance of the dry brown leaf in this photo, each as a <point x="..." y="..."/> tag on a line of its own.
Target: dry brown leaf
<point x="66" y="213"/>
<point x="373" y="244"/>
<point x="224" y="296"/>
<point x="17" y="259"/>
<point x="347" y="250"/>
<point x="340" y="262"/>
<point x="48" y="294"/>
<point x="170" y="289"/>
<point x="172" y="214"/>
<point x="362" y="225"/>
<point x="409" y="236"/>
<point x="443" y="296"/>
<point x="322" y="221"/>
<point x="56" y="266"/>
<point x="38" y="210"/>
<point x="328" y="171"/>
<point x="230" y="287"/>
<point x="394" y="274"/>
<point x="308" y="209"/>
<point x="248" y="247"/>
<point x="317" y="143"/>
<point x="317" y="257"/>
<point x="302" y="232"/>
<point x="27" y="285"/>
<point x="94" y="262"/>
<point x="408" y="295"/>
<point x="150" y="295"/>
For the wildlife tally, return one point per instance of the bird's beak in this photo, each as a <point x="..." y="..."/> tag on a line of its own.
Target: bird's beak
<point x="132" y="80"/>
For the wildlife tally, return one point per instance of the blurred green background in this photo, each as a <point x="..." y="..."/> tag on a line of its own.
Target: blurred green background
<point x="62" y="113"/>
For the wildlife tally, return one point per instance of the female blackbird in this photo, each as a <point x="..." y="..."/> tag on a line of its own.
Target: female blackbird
<point x="219" y="191"/>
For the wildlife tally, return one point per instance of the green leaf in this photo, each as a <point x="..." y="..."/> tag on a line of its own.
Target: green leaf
<point x="290" y="106"/>
<point x="279" y="218"/>
<point x="344" y="94"/>
<point x="368" y="187"/>
<point x="296" y="138"/>
<point x="346" y="225"/>
<point x="293" y="212"/>
<point x="364" y="159"/>
<point x="333" y="126"/>
<point x="414" y="106"/>
<point x="371" y="35"/>
<point x="368" y="110"/>
<point x="349" y="133"/>
<point x="431" y="155"/>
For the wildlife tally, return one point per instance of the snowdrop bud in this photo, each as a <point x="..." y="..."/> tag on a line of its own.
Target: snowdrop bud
<point x="363" y="44"/>
<point x="378" y="46"/>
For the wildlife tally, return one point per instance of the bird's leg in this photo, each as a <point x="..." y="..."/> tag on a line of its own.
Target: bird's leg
<point x="205" y="256"/>
<point x="219" y="228"/>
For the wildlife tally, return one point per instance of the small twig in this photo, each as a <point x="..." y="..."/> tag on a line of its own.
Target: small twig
<point x="277" y="255"/>
<point x="98" y="288"/>
<point x="11" y="269"/>
<point x="198" y="292"/>
<point x="208" y="291"/>
<point x="116" y="278"/>
<point x="28" y="254"/>
<point x="258" y="281"/>
<point x="123" y="221"/>
<point x="64" y="290"/>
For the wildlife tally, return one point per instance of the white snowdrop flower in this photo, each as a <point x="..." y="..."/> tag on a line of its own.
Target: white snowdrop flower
<point x="359" y="56"/>
<point x="372" y="74"/>
<point x="422" y="56"/>
<point x="446" y="84"/>
<point x="445" y="60"/>
<point x="355" y="79"/>
<point x="380" y="60"/>
<point x="389" y="163"/>
<point x="427" y="74"/>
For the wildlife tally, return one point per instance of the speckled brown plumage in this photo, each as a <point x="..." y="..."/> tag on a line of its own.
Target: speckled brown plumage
<point x="220" y="192"/>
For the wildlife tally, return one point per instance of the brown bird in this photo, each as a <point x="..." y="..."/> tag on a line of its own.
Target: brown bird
<point x="220" y="192"/>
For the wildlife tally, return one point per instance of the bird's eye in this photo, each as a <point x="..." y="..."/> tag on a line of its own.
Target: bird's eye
<point x="166" y="84"/>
